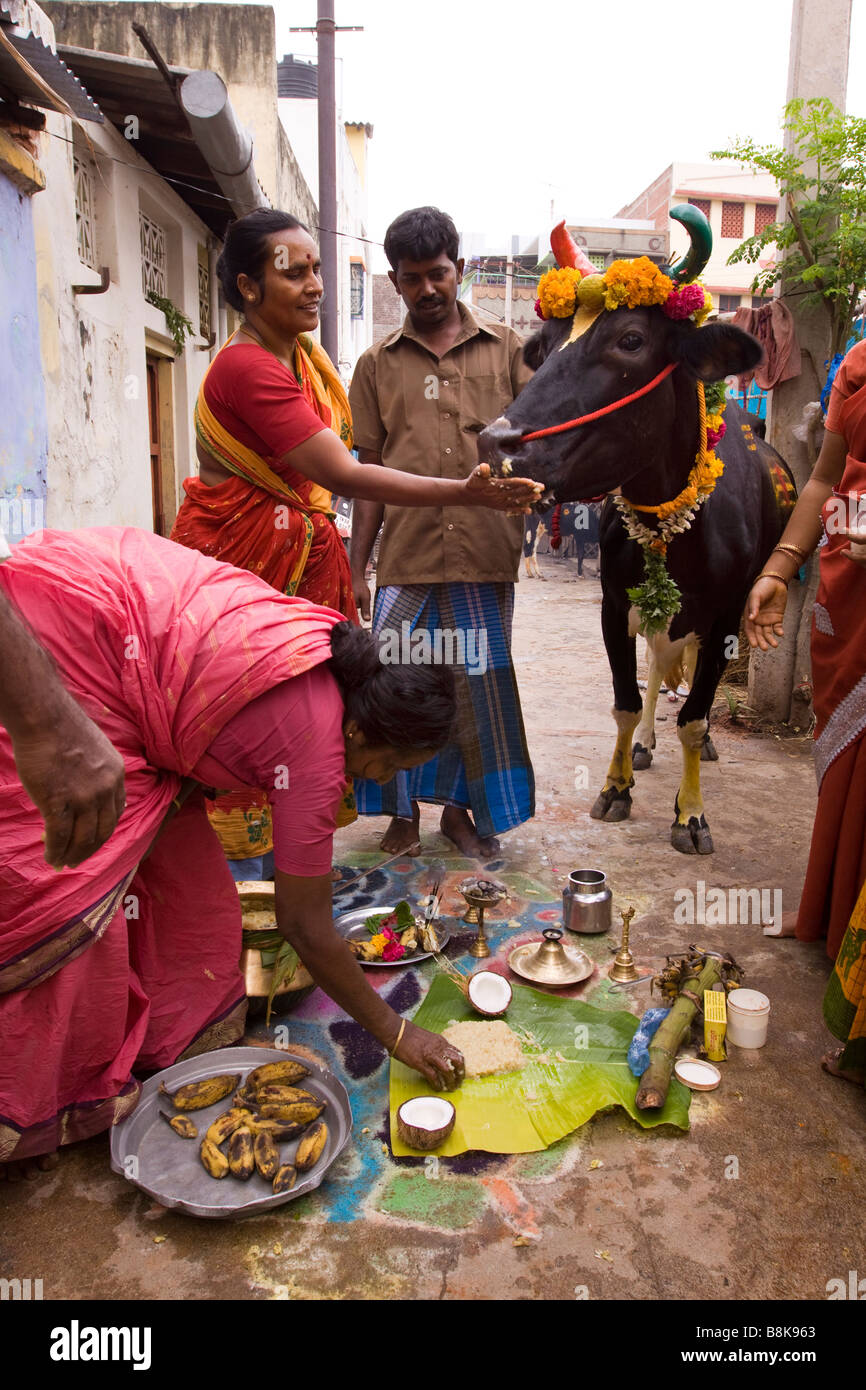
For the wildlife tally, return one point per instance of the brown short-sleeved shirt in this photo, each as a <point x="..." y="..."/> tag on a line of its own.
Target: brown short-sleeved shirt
<point x="423" y="414"/>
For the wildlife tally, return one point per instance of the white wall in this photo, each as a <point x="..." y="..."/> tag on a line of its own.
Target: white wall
<point x="93" y="346"/>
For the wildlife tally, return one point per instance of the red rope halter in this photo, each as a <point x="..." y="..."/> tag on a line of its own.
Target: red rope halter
<point x="605" y="409"/>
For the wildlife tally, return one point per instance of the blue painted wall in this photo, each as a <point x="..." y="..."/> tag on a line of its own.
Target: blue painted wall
<point x="23" y="431"/>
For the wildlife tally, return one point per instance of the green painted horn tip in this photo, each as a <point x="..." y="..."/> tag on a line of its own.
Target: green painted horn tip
<point x="701" y="242"/>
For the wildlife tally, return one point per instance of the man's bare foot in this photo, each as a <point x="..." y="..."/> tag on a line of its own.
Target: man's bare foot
<point x="403" y="836"/>
<point x="457" y="826"/>
<point x="28" y="1168"/>
<point x="785" y="926"/>
<point x="830" y="1063"/>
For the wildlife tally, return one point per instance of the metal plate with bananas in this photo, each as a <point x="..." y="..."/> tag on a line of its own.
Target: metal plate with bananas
<point x="161" y="1159"/>
<point x="353" y="926"/>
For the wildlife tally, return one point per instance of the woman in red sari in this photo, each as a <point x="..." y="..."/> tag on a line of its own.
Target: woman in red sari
<point x="831" y="514"/>
<point x="273" y="431"/>
<point x="196" y="673"/>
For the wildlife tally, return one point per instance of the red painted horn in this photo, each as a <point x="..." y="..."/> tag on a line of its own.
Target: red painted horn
<point x="567" y="251"/>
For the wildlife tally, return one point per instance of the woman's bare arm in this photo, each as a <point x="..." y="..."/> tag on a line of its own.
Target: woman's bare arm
<point x="67" y="766"/>
<point x="304" y="917"/>
<point x="327" y="461"/>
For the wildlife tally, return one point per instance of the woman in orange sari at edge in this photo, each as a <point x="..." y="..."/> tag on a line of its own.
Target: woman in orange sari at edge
<point x="273" y="431"/>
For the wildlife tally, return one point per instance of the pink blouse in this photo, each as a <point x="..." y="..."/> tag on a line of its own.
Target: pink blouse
<point x="290" y="743"/>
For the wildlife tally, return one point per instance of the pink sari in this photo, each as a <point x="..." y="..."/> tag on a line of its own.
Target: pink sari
<point x="129" y="962"/>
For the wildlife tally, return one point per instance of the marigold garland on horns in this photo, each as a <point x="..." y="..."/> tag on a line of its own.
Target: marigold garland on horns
<point x="631" y="285"/>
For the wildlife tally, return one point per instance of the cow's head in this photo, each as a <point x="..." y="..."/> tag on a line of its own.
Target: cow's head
<point x="597" y="356"/>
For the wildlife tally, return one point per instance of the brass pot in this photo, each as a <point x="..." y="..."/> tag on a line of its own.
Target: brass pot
<point x="259" y="915"/>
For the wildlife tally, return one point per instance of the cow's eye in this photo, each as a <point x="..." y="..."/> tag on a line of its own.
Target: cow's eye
<point x="631" y="342"/>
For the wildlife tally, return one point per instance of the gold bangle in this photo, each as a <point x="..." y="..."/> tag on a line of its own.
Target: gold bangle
<point x="773" y="574"/>
<point x="399" y="1036"/>
<point x="795" y="550"/>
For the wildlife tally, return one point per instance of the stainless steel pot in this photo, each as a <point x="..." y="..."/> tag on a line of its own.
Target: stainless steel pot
<point x="586" y="902"/>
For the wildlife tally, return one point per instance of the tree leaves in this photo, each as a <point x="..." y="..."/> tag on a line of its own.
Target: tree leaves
<point x="822" y="180"/>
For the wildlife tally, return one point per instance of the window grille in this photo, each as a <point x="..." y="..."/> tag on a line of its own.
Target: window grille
<point x="598" y="259"/>
<point x="765" y="216"/>
<point x="153" y="256"/>
<point x="728" y="303"/>
<point x="356" y="300"/>
<point x="84" y="222"/>
<point x="204" y="299"/>
<point x="703" y="204"/>
<point x="732" y="219"/>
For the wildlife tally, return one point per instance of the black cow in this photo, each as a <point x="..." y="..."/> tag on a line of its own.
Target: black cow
<point x="645" y="452"/>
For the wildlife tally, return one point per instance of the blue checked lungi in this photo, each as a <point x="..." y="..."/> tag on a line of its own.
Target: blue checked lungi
<point x="487" y="768"/>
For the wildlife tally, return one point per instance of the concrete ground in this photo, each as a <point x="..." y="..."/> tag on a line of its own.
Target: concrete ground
<point x="761" y="1198"/>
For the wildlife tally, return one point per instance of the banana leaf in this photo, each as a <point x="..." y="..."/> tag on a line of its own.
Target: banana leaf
<point x="576" y="1065"/>
<point x="275" y="952"/>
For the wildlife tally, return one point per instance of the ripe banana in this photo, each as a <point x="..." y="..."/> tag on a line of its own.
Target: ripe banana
<point x="266" y="1154"/>
<point x="227" y="1123"/>
<point x="300" y="1112"/>
<point x="282" y="1073"/>
<point x="279" y="1132"/>
<point x="281" y="1095"/>
<point x="196" y="1095"/>
<point x="241" y="1153"/>
<point x="181" y="1125"/>
<point x="311" y="1147"/>
<point x="214" y="1160"/>
<point x="285" y="1178"/>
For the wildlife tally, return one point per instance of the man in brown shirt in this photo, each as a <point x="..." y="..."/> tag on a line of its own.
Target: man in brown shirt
<point x="445" y="579"/>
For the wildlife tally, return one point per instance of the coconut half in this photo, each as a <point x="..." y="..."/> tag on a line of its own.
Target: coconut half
<point x="425" y="1121"/>
<point x="489" y="994"/>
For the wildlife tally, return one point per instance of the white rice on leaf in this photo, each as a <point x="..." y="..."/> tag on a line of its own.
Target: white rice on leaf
<point x="486" y="1047"/>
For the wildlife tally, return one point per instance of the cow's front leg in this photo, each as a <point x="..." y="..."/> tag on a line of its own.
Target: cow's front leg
<point x="690" y="833"/>
<point x="613" y="802"/>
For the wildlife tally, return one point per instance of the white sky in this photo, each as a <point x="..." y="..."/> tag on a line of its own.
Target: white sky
<point x="492" y="109"/>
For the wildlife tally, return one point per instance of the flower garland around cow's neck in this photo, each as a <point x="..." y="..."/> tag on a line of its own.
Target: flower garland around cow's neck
<point x="632" y="285"/>
<point x="658" y="598"/>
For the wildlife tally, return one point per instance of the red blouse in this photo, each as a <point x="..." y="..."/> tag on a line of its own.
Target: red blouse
<point x="258" y="400"/>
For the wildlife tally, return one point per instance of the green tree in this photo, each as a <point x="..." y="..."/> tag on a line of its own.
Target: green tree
<point x="822" y="181"/>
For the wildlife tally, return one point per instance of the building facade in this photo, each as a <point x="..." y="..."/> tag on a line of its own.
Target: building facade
<point x="737" y="204"/>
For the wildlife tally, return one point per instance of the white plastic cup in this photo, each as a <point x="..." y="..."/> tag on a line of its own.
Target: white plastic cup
<point x="748" y="1016"/>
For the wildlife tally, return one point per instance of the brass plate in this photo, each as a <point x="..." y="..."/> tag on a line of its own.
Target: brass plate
<point x="579" y="966"/>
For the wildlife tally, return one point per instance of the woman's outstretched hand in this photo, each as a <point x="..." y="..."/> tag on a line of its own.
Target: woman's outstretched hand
<point x="501" y="494"/>
<point x="765" y="610"/>
<point x="437" y="1061"/>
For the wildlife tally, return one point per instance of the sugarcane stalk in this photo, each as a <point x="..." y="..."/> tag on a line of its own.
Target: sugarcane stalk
<point x="655" y="1081"/>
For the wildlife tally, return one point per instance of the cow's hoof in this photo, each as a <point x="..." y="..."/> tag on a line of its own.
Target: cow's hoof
<point x="708" y="751"/>
<point x="641" y="758"/>
<point x="693" y="838"/>
<point x="612" y="805"/>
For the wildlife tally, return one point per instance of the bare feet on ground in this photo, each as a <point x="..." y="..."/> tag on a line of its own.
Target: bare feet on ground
<point x="28" y="1168"/>
<point x="457" y="826"/>
<point x="403" y="836"/>
<point x="830" y="1063"/>
<point x="787" y="926"/>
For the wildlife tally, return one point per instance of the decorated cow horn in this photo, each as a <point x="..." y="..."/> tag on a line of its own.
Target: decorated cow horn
<point x="567" y="251"/>
<point x="701" y="239"/>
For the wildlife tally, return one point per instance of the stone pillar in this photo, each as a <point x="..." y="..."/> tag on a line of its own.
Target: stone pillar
<point x="818" y="67"/>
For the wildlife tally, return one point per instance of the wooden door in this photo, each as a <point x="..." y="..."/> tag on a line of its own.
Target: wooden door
<point x="155" y="446"/>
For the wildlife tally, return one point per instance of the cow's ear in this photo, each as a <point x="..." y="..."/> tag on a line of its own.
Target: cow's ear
<point x="718" y="350"/>
<point x="533" y="351"/>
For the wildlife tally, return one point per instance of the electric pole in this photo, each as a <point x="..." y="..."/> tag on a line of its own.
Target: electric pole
<point x="325" y="30"/>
